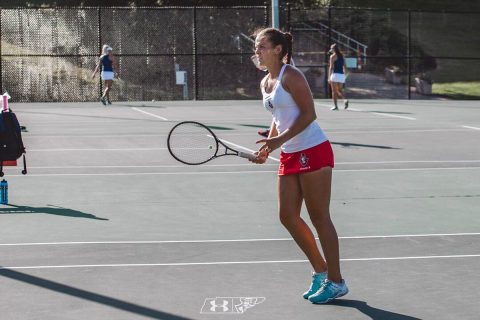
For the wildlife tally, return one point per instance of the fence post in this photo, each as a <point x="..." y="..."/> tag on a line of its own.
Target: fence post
<point x="195" y="60"/>
<point x="288" y="17"/>
<point x="1" y="74"/>
<point x="100" y="86"/>
<point x="409" y="54"/>
<point x="327" y="48"/>
<point x="275" y="15"/>
<point x="266" y="14"/>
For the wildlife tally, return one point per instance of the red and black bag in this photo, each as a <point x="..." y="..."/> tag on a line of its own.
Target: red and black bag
<point x="11" y="143"/>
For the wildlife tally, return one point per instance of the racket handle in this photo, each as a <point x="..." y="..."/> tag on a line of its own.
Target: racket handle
<point x="247" y="155"/>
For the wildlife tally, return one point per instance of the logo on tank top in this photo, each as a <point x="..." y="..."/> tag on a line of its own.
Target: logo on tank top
<point x="303" y="162"/>
<point x="268" y="105"/>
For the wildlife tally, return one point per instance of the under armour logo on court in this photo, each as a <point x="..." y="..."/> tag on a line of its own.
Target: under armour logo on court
<point x="215" y="306"/>
<point x="230" y="305"/>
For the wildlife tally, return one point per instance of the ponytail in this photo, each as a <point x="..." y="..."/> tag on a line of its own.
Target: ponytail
<point x="337" y="51"/>
<point x="289" y="42"/>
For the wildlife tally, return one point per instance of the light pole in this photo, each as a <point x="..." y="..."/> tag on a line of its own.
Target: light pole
<point x="275" y="14"/>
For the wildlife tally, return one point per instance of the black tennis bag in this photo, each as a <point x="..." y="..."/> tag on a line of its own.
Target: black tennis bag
<point x="11" y="143"/>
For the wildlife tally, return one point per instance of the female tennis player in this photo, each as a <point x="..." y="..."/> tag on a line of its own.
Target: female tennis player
<point x="306" y="162"/>
<point x="337" y="71"/>
<point x="108" y="64"/>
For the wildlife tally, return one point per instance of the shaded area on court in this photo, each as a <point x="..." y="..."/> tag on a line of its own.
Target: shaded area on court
<point x="349" y="144"/>
<point x="255" y="126"/>
<point x="370" y="311"/>
<point x="390" y="112"/>
<point x="88" y="295"/>
<point x="50" y="209"/>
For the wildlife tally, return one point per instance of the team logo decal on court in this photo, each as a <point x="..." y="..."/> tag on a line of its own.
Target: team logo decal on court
<point x="230" y="305"/>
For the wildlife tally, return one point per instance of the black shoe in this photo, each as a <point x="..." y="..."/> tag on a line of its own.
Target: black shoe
<point x="103" y="100"/>
<point x="334" y="108"/>
<point x="346" y="104"/>
<point x="109" y="102"/>
<point x="264" y="133"/>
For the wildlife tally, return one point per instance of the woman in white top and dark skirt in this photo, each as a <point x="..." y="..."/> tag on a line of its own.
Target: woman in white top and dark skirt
<point x="306" y="162"/>
<point x="337" y="75"/>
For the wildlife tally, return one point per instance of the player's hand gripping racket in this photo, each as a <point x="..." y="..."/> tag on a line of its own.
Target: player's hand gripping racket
<point x="193" y="143"/>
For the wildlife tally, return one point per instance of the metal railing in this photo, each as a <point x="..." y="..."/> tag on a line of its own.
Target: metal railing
<point x="338" y="37"/>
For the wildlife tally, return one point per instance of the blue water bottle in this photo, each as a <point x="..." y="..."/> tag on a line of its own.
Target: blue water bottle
<point x="3" y="192"/>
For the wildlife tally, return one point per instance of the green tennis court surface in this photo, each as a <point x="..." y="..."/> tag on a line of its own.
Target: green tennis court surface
<point x="107" y="225"/>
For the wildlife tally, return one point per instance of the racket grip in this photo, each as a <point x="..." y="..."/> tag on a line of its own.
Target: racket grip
<point x="247" y="155"/>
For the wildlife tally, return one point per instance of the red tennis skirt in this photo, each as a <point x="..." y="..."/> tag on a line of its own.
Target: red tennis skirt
<point x="307" y="160"/>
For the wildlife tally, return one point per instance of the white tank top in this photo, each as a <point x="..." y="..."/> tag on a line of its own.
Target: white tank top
<point x="285" y="111"/>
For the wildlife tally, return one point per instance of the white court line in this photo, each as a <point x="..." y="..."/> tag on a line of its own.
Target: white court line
<point x="474" y="128"/>
<point x="329" y="106"/>
<point x="234" y="240"/>
<point x="150" y="114"/>
<point x="139" y="173"/>
<point x="242" y="133"/>
<point x="242" y="164"/>
<point x="400" y="130"/>
<point x="184" y="264"/>
<point x="226" y="172"/>
<point x="377" y="113"/>
<point x="405" y="169"/>
<point x="99" y="149"/>
<point x="392" y="115"/>
<point x="141" y="167"/>
<point x="409" y="161"/>
<point x="244" y="148"/>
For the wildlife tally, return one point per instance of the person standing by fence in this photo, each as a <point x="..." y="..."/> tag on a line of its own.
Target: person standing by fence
<point x="108" y="65"/>
<point x="337" y="71"/>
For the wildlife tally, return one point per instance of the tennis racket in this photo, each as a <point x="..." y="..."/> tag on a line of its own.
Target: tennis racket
<point x="193" y="143"/>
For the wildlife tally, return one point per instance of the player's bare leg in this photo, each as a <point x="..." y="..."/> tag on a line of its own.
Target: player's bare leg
<point x="316" y="190"/>
<point x="290" y="204"/>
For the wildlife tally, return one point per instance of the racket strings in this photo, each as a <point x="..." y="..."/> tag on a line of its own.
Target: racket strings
<point x="192" y="143"/>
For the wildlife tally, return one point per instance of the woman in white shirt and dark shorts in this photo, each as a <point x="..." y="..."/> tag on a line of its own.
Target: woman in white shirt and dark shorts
<point x="306" y="162"/>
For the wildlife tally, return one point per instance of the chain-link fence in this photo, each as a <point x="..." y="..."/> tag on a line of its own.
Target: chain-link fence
<point x="163" y="53"/>
<point x="174" y="53"/>
<point x="390" y="54"/>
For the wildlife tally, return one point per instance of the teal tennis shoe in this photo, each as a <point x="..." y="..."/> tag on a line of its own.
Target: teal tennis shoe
<point x="328" y="291"/>
<point x="317" y="280"/>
